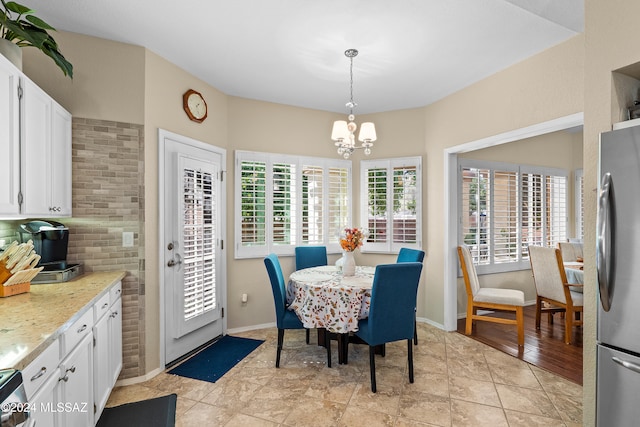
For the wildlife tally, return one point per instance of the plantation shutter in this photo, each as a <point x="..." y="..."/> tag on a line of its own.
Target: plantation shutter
<point x="475" y="191"/>
<point x="404" y="204"/>
<point x="532" y="212"/>
<point x="504" y="218"/>
<point x="284" y="190"/>
<point x="377" y="204"/>
<point x="253" y="195"/>
<point x="338" y="201"/>
<point x="312" y="204"/>
<point x="199" y="206"/>
<point x="556" y="209"/>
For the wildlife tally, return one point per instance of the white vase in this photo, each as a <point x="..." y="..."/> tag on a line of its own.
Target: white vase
<point x="12" y="52"/>
<point x="349" y="265"/>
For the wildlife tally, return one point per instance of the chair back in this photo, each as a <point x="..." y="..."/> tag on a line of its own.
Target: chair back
<point x="310" y="256"/>
<point x="277" y="286"/>
<point x="570" y="251"/>
<point x="548" y="272"/>
<point x="392" y="310"/>
<point x="410" y="255"/>
<point x="471" y="282"/>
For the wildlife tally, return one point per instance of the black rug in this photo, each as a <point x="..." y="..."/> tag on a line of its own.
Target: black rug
<point x="214" y="361"/>
<point x="158" y="412"/>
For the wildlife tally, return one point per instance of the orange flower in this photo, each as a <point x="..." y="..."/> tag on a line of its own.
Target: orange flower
<point x="352" y="238"/>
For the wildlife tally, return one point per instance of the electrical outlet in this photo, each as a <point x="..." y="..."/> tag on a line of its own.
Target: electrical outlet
<point x="127" y="239"/>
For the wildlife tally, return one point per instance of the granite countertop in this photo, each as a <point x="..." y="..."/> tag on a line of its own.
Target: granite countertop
<point x="31" y="321"/>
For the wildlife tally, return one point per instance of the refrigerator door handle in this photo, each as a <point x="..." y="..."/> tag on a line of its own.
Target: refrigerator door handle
<point x="629" y="365"/>
<point x="605" y="240"/>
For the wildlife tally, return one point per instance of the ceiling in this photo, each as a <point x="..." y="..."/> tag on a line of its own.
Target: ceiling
<point x="412" y="52"/>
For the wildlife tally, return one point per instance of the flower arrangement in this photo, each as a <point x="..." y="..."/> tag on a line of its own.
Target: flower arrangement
<point x="352" y="238"/>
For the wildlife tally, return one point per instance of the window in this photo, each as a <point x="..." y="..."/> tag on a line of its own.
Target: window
<point x="505" y="208"/>
<point x="391" y="209"/>
<point x="286" y="201"/>
<point x="579" y="204"/>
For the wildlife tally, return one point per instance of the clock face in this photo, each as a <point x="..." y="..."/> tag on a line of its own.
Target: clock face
<point x="195" y="106"/>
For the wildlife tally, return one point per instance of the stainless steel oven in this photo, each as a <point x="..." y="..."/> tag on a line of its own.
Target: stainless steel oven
<point x="13" y="400"/>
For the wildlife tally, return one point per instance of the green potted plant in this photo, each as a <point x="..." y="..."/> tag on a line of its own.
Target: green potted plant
<point x="20" y="27"/>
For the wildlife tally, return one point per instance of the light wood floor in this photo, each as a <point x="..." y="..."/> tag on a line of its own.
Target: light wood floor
<point x="544" y="348"/>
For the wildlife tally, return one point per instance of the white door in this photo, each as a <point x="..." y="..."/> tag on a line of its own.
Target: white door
<point x="193" y="207"/>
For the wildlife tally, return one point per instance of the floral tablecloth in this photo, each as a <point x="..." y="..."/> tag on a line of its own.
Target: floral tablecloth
<point x="323" y="298"/>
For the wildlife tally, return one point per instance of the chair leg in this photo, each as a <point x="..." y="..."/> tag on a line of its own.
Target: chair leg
<point x="410" y="359"/>
<point x="327" y="340"/>
<point x="307" y="335"/>
<point x="538" y="312"/>
<point x="568" y="326"/>
<point x="279" y="350"/>
<point x="372" y="367"/>
<point x="469" y="323"/>
<point x="520" y="325"/>
<point x="415" y="331"/>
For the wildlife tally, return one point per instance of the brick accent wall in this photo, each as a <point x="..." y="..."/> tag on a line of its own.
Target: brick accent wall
<point x="108" y="199"/>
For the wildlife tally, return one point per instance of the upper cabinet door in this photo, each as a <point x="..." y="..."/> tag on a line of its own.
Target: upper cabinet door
<point x="9" y="139"/>
<point x="36" y="150"/>
<point x="46" y="155"/>
<point x="61" y="161"/>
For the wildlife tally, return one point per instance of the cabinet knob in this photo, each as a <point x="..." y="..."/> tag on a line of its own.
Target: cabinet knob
<point x="82" y="328"/>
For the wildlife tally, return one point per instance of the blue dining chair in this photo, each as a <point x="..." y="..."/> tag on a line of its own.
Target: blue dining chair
<point x="391" y="313"/>
<point x="411" y="255"/>
<point x="285" y="319"/>
<point x="310" y="256"/>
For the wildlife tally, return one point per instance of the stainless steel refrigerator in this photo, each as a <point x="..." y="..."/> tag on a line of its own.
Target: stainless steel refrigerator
<point x="618" y="272"/>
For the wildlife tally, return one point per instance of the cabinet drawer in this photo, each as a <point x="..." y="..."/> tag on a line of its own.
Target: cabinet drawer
<point x="76" y="332"/>
<point x="116" y="292"/>
<point x="101" y="307"/>
<point x="41" y="368"/>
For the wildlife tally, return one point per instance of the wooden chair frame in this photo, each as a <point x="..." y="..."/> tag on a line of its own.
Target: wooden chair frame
<point x="473" y="306"/>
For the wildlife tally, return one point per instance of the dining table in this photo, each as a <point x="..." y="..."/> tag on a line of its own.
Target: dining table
<point x="574" y="271"/>
<point x="323" y="297"/>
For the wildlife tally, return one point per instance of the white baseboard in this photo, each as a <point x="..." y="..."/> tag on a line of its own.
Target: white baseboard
<point x="141" y="379"/>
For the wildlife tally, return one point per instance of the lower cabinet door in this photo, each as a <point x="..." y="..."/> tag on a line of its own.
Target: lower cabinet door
<point x="43" y="403"/>
<point x="75" y="398"/>
<point x="101" y="372"/>
<point x="115" y="342"/>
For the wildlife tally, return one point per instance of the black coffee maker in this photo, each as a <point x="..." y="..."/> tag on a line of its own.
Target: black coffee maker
<point x="50" y="241"/>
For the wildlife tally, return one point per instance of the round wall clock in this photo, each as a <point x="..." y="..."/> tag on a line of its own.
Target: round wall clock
<point x="194" y="105"/>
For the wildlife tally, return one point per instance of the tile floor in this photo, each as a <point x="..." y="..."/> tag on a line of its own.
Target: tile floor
<point x="458" y="382"/>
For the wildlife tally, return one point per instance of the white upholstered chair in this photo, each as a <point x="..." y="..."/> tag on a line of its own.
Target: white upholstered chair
<point x="552" y="287"/>
<point x="489" y="298"/>
<point x="570" y="251"/>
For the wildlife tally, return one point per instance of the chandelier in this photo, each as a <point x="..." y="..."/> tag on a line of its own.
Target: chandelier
<point x="343" y="133"/>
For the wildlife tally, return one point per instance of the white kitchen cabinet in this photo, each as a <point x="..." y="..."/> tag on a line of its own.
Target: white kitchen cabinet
<point x="75" y="386"/>
<point x="46" y="154"/>
<point x="35" y="139"/>
<point x="9" y="138"/>
<point x="107" y="351"/>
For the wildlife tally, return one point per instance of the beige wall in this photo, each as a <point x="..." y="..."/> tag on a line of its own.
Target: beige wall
<point x="108" y="80"/>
